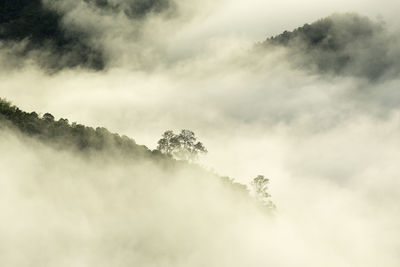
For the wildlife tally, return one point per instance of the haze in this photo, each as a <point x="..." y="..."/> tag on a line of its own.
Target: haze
<point x="328" y="142"/>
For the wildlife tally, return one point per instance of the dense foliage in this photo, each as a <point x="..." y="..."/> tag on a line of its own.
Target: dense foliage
<point x="345" y="44"/>
<point x="63" y="134"/>
<point x="181" y="146"/>
<point x="331" y="33"/>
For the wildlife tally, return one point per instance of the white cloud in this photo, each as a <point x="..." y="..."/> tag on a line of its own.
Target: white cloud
<point x="328" y="144"/>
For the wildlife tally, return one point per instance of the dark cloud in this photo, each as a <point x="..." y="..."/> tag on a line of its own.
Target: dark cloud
<point x="55" y="37"/>
<point x="38" y="33"/>
<point x="132" y="8"/>
<point x="344" y="44"/>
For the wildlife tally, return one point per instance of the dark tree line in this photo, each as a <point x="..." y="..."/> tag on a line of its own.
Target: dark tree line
<point x="332" y="33"/>
<point x="344" y="44"/>
<point x="63" y="133"/>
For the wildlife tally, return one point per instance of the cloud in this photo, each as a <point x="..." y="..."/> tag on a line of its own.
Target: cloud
<point x="68" y="209"/>
<point x="327" y="142"/>
<point x="30" y="30"/>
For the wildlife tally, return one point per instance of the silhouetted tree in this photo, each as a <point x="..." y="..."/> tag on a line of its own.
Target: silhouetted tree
<point x="168" y="143"/>
<point x="182" y="146"/>
<point x="260" y="190"/>
<point x="61" y="134"/>
<point x="48" y="117"/>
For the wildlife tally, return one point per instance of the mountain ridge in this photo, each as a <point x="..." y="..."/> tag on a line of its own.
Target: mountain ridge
<point x="344" y="44"/>
<point x="98" y="142"/>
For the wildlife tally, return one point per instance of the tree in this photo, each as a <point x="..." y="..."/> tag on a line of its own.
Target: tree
<point x="189" y="148"/>
<point x="48" y="117"/>
<point x="168" y="143"/>
<point x="260" y="190"/>
<point x="182" y="146"/>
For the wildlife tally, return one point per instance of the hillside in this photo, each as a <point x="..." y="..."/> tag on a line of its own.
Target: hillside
<point x="98" y="142"/>
<point x="65" y="135"/>
<point x="342" y="44"/>
<point x="77" y="189"/>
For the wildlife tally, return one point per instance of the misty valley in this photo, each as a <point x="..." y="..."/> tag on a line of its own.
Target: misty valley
<point x="168" y="133"/>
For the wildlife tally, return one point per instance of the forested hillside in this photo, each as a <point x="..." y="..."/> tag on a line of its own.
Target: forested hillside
<point x="66" y="135"/>
<point x="61" y="134"/>
<point x="344" y="44"/>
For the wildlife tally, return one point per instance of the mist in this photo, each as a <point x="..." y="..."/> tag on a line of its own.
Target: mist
<point x="328" y="141"/>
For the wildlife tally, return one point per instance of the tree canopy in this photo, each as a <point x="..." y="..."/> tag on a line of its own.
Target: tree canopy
<point x="182" y="146"/>
<point x="341" y="44"/>
<point x="62" y="133"/>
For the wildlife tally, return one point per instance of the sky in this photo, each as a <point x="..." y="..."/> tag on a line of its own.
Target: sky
<point x="327" y="142"/>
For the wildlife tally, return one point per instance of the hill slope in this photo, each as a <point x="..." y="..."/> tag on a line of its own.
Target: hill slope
<point x="343" y="44"/>
<point x="99" y="142"/>
<point x="74" y="196"/>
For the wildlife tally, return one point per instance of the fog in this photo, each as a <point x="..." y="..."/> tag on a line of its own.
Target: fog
<point x="327" y="141"/>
